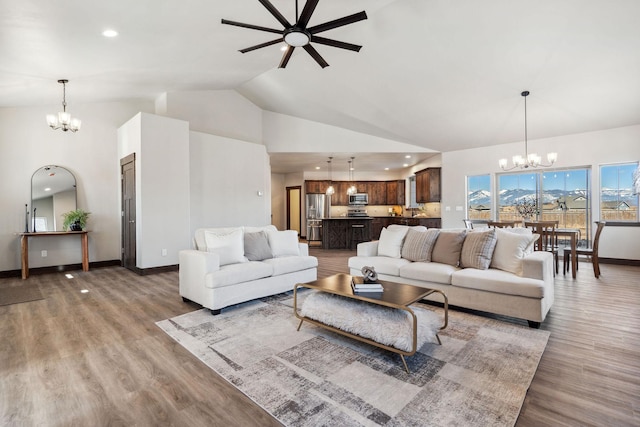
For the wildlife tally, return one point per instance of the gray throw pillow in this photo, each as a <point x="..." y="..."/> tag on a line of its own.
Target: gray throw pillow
<point x="418" y="245"/>
<point x="478" y="248"/>
<point x="256" y="246"/>
<point x="448" y="247"/>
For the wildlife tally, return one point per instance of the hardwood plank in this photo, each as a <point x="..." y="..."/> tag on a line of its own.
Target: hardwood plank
<point x="97" y="358"/>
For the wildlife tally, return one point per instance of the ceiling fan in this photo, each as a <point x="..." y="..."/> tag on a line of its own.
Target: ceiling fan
<point x="299" y="35"/>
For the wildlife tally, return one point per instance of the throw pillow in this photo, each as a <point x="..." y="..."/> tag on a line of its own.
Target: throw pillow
<point x="477" y="249"/>
<point x="511" y="248"/>
<point x="284" y="243"/>
<point x="256" y="246"/>
<point x="390" y="243"/>
<point x="228" y="245"/>
<point x="418" y="245"/>
<point x="448" y="247"/>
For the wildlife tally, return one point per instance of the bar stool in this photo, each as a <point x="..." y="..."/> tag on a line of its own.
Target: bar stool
<point x="357" y="234"/>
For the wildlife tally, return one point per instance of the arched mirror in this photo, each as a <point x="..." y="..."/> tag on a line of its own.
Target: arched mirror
<point x="53" y="193"/>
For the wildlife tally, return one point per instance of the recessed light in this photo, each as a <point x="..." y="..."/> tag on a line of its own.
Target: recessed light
<point x="405" y="165"/>
<point x="317" y="167"/>
<point x="407" y="156"/>
<point x="386" y="169"/>
<point x="47" y="189"/>
<point x="110" y="33"/>
<point x="84" y="291"/>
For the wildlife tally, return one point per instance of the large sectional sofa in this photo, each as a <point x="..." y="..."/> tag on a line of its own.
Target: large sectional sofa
<point x="491" y="270"/>
<point x="237" y="264"/>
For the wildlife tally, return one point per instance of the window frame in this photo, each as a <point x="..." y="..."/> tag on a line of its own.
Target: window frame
<point x="619" y="221"/>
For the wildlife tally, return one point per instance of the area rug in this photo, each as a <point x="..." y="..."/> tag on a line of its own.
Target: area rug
<point x="479" y="376"/>
<point x="18" y="294"/>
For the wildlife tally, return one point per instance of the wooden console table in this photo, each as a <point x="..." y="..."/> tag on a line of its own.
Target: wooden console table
<point x="24" y="242"/>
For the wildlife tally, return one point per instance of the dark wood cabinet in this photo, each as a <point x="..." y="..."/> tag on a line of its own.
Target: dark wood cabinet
<point x="428" y="186"/>
<point x="340" y="233"/>
<point x="394" y="192"/>
<point x="377" y="192"/>
<point x="340" y="198"/>
<point x="315" y="187"/>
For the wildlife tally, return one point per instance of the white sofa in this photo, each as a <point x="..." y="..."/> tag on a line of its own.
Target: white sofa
<point x="237" y="264"/>
<point x="491" y="270"/>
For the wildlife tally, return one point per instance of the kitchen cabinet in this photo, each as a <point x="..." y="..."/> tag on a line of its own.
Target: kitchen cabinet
<point x="394" y="192"/>
<point x="377" y="192"/>
<point x="337" y="232"/>
<point x="340" y="198"/>
<point x="315" y="187"/>
<point x="428" y="185"/>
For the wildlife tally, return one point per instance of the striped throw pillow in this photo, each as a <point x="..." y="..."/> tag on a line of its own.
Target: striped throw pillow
<point x="418" y="245"/>
<point x="477" y="249"/>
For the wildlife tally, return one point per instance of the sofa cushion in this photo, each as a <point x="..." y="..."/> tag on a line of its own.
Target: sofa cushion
<point x="448" y="247"/>
<point x="238" y="273"/>
<point x="498" y="281"/>
<point x="284" y="265"/>
<point x="418" y="245"/>
<point x="477" y="249"/>
<point x="390" y="243"/>
<point x="265" y="228"/>
<point x="229" y="245"/>
<point x="284" y="243"/>
<point x="511" y="248"/>
<point x="382" y="264"/>
<point x="428" y="271"/>
<point x="256" y="246"/>
<point x="199" y="240"/>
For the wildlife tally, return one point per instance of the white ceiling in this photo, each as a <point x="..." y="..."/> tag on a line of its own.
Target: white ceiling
<point x="443" y="75"/>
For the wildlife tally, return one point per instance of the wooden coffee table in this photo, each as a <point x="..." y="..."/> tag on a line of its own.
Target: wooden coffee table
<point x="396" y="295"/>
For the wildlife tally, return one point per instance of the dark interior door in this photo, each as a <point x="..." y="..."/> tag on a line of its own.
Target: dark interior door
<point x="128" y="203"/>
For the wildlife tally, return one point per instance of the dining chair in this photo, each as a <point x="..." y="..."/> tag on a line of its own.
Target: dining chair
<point x="548" y="240"/>
<point x="591" y="252"/>
<point x="502" y="224"/>
<point x="468" y="224"/>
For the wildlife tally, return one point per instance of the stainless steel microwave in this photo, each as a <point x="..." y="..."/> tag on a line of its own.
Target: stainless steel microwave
<point x="359" y="199"/>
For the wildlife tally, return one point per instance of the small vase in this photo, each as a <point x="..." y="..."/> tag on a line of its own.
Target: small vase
<point x="75" y="226"/>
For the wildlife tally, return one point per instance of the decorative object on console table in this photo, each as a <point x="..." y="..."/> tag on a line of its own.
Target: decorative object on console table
<point x="369" y="274"/>
<point x="75" y="220"/>
<point x="26" y="218"/>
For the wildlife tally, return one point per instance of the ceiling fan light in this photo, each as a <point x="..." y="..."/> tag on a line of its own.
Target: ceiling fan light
<point x="297" y="38"/>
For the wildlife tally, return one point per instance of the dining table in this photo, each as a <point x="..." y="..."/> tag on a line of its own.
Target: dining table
<point x="574" y="235"/>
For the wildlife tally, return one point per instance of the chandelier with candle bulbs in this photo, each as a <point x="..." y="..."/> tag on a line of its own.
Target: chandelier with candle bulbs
<point x="63" y="120"/>
<point x="529" y="160"/>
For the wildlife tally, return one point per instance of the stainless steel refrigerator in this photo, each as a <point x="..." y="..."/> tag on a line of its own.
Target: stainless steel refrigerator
<point x="317" y="207"/>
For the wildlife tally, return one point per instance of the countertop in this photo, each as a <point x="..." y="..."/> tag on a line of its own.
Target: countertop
<point x="347" y="217"/>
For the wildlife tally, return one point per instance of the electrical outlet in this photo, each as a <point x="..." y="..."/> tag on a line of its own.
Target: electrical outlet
<point x="164" y="252"/>
<point x="44" y="254"/>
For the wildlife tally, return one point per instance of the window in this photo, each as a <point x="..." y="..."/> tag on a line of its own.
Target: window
<point x="479" y="200"/>
<point x="552" y="195"/>
<point x="617" y="199"/>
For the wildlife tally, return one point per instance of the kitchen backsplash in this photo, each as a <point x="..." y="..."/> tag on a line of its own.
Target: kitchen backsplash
<point x="429" y="210"/>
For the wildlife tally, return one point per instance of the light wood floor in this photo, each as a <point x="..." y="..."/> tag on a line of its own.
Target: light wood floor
<point x="97" y="358"/>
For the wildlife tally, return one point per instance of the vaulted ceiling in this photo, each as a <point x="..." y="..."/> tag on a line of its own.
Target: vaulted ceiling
<point x="443" y="75"/>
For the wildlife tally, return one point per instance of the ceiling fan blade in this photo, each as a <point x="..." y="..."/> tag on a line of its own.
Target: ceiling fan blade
<point x="261" y="45"/>
<point x="276" y="14"/>
<point x="250" y="26"/>
<point x="285" y="58"/>
<point x="309" y="7"/>
<point x="340" y="22"/>
<point x="315" y="55"/>
<point x="336" y="43"/>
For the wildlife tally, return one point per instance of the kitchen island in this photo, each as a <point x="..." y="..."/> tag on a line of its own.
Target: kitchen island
<point x="345" y="232"/>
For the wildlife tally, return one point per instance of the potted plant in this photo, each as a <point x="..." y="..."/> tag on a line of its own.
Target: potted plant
<point x="75" y="220"/>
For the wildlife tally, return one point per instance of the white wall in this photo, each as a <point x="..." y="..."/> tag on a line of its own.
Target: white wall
<point x="226" y="178"/>
<point x="216" y="112"/>
<point x="27" y="143"/>
<point x="590" y="149"/>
